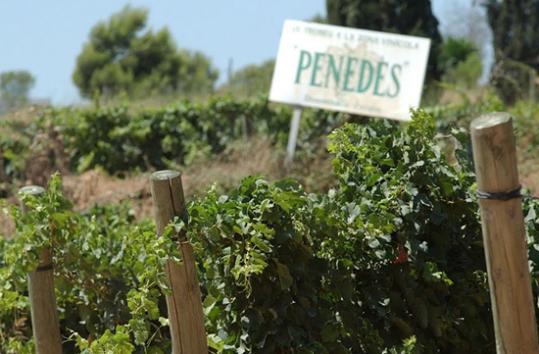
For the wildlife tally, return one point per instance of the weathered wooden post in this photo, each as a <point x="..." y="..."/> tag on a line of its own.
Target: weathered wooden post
<point x="186" y="319"/>
<point x="45" y="325"/>
<point x="504" y="234"/>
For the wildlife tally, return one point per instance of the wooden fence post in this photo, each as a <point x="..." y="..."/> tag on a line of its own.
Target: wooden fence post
<point x="186" y="318"/>
<point x="45" y="325"/>
<point x="495" y="160"/>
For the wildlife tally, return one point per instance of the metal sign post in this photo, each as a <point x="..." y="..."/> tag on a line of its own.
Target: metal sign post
<point x="293" y="135"/>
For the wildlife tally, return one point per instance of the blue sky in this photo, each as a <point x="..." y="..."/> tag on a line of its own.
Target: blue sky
<point x="45" y="37"/>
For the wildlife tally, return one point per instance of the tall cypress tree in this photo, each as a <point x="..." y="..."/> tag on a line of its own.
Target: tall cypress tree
<point x="413" y="17"/>
<point x="515" y="29"/>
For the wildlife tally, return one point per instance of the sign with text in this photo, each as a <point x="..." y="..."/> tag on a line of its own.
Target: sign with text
<point x="349" y="70"/>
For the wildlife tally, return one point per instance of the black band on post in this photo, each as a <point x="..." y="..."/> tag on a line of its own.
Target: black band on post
<point x="44" y="268"/>
<point x="514" y="194"/>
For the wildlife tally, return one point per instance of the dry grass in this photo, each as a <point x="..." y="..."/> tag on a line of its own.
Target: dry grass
<point x="255" y="157"/>
<point x="459" y="95"/>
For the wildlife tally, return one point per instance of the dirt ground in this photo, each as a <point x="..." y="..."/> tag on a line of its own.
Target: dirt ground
<point x="531" y="182"/>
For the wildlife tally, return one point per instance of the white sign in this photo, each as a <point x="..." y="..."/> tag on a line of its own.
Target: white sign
<point x="342" y="69"/>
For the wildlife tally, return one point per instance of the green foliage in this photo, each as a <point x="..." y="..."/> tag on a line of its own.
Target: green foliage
<point x="15" y="139"/>
<point x="525" y="115"/>
<point x="531" y="220"/>
<point x="14" y="89"/>
<point x="461" y="62"/>
<point x="466" y="73"/>
<point x="454" y="51"/>
<point x="405" y="17"/>
<point x="108" y="276"/>
<point x="120" y="58"/>
<point x="390" y="261"/>
<point x="119" y="140"/>
<point x="250" y="81"/>
<point x="514" y="26"/>
<point x="462" y="113"/>
<point x="397" y="191"/>
<point x="261" y="277"/>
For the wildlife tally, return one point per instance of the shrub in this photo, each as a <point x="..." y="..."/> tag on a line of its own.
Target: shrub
<point x="119" y="140"/>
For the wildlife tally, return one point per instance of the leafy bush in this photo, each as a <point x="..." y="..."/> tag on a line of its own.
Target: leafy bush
<point x="398" y="193"/>
<point x="466" y="73"/>
<point x="461" y="114"/>
<point x="263" y="282"/>
<point x="455" y="51"/>
<point x="118" y="140"/>
<point x="15" y="138"/>
<point x="107" y="276"/>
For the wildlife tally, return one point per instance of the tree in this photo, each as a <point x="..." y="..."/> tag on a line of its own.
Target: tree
<point x="412" y="17"/>
<point x="514" y="25"/>
<point x="122" y="56"/>
<point x="454" y="51"/>
<point x="14" y="89"/>
<point x="460" y="61"/>
<point x="250" y="80"/>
